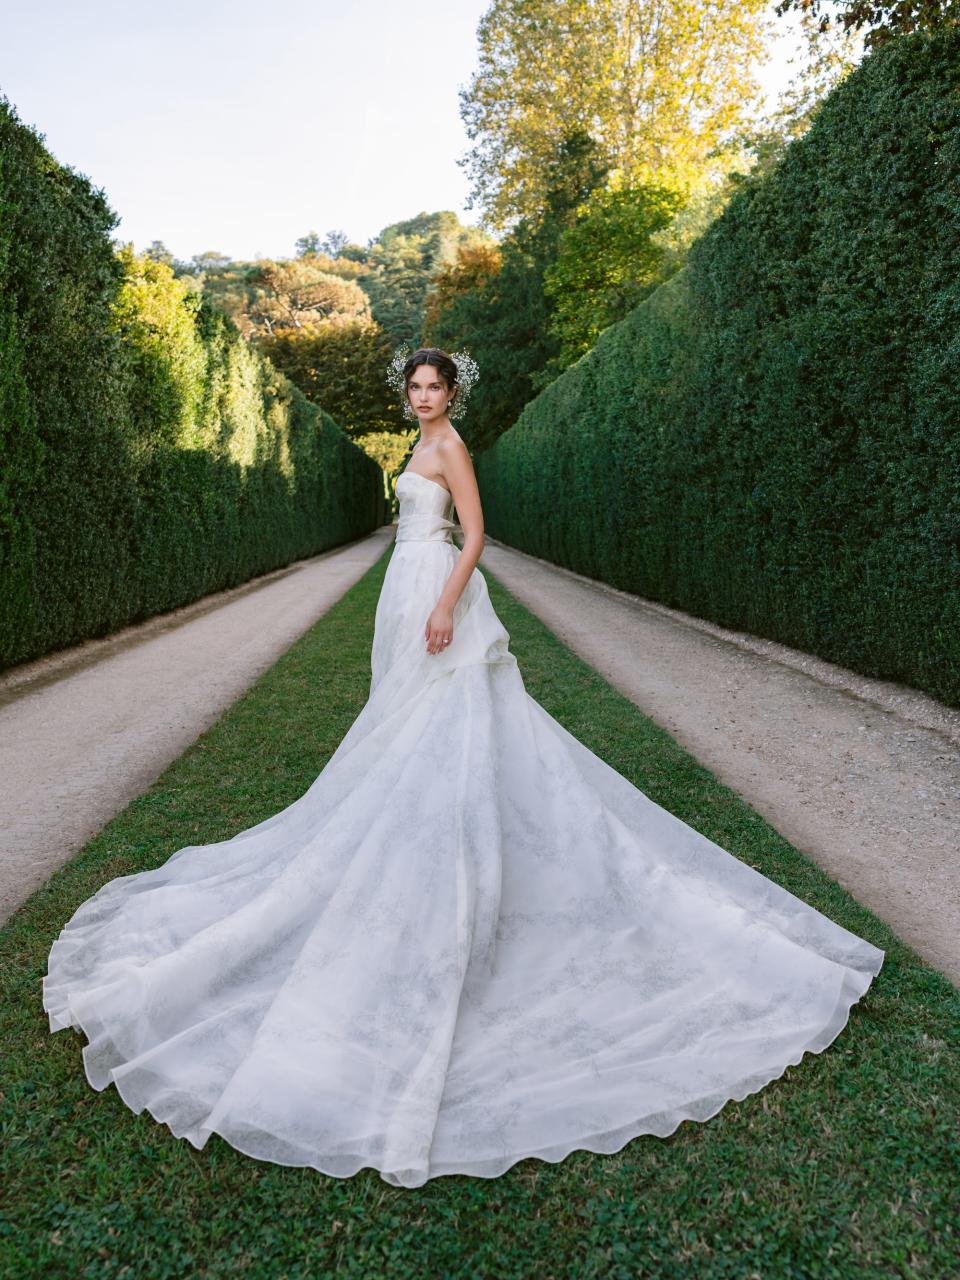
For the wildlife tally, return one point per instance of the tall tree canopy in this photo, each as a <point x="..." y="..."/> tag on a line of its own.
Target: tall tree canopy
<point x="607" y="261"/>
<point x="473" y="269"/>
<point x="399" y="266"/>
<point x="504" y="316"/>
<point x="823" y="58"/>
<point x="881" y="19"/>
<point x="660" y="85"/>
<point x="269" y="296"/>
<point x="340" y="363"/>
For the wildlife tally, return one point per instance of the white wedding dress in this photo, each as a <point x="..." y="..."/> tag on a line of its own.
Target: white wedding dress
<point x="470" y="941"/>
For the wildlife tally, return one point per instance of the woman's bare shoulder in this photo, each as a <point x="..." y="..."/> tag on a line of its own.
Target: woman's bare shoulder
<point x="453" y="449"/>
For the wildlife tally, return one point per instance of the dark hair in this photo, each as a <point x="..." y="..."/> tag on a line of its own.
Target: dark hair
<point x="443" y="363"/>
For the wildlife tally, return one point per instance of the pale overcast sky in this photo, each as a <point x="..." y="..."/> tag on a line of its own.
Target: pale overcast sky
<point x="239" y="126"/>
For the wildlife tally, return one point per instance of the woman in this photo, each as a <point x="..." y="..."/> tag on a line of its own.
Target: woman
<point x="470" y="941"/>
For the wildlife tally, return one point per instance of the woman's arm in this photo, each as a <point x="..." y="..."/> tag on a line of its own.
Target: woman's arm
<point x="456" y="467"/>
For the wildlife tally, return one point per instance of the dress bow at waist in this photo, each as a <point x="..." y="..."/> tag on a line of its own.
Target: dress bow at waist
<point x="426" y="526"/>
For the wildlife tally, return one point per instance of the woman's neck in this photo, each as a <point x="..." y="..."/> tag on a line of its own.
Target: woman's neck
<point x="436" y="430"/>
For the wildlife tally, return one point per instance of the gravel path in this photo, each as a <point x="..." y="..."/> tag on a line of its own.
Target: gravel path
<point x="861" y="775"/>
<point x="86" y="730"/>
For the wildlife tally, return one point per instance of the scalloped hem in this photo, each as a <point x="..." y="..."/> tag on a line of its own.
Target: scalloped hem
<point x="254" y="1142"/>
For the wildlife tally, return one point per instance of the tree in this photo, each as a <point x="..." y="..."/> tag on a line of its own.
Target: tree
<point x="660" y="85"/>
<point x="607" y="262"/>
<point x="155" y="314"/>
<point x="289" y="294"/>
<point x="474" y="267"/>
<point x="157" y="251"/>
<point x="332" y="322"/>
<point x="505" y="321"/>
<point x="340" y="364"/>
<point x="400" y="265"/>
<point x="308" y="244"/>
<point x="210" y="261"/>
<point x="825" y="57"/>
<point x="334" y="243"/>
<point x="266" y="296"/>
<point x="884" y="18"/>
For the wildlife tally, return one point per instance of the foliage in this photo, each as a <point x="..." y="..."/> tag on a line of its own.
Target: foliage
<point x="390" y="450"/>
<point x="148" y="455"/>
<point x="396" y="268"/>
<point x="883" y="18"/>
<point x="299" y="293"/>
<point x="266" y="296"/>
<point x="333" y="243"/>
<point x="505" y="320"/>
<point x="400" y="265"/>
<point x="823" y="58"/>
<point x="340" y="363"/>
<point x="331" y="317"/>
<point x="474" y="268"/>
<point x="607" y="261"/>
<point x="608" y="255"/>
<point x="155" y="314"/>
<point x="660" y="88"/>
<point x="770" y="440"/>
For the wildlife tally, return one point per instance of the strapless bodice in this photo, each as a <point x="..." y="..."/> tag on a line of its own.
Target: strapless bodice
<point x="425" y="510"/>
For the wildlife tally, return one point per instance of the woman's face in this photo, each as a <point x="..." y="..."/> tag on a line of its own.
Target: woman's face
<point x="428" y="393"/>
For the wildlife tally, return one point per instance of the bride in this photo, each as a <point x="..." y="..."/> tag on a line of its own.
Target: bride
<point x="470" y="941"/>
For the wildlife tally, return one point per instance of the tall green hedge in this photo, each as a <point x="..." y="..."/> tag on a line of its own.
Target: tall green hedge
<point x="772" y="439"/>
<point x="148" y="456"/>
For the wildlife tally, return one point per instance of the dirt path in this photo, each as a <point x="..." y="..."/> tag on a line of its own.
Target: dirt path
<point x="861" y="775"/>
<point x="86" y="730"/>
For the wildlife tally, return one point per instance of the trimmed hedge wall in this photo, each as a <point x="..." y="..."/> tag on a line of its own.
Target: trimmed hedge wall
<point x="771" y="440"/>
<point x="148" y="456"/>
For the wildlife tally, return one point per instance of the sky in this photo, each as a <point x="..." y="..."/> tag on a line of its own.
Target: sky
<point x="238" y="127"/>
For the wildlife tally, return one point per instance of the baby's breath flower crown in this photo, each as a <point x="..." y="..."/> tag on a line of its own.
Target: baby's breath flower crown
<point x="468" y="371"/>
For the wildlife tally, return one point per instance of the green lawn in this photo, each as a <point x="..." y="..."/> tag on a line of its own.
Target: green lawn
<point x="845" y="1166"/>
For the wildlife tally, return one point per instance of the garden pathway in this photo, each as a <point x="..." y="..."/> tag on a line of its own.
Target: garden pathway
<point x="84" y="731"/>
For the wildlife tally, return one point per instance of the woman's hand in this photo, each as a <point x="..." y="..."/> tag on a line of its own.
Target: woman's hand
<point x="439" y="629"/>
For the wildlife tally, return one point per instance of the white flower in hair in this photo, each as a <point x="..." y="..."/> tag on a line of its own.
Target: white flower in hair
<point x="468" y="371"/>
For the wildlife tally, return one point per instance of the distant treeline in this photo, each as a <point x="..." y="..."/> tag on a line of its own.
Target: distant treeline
<point x="148" y="454"/>
<point x="771" y="440"/>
